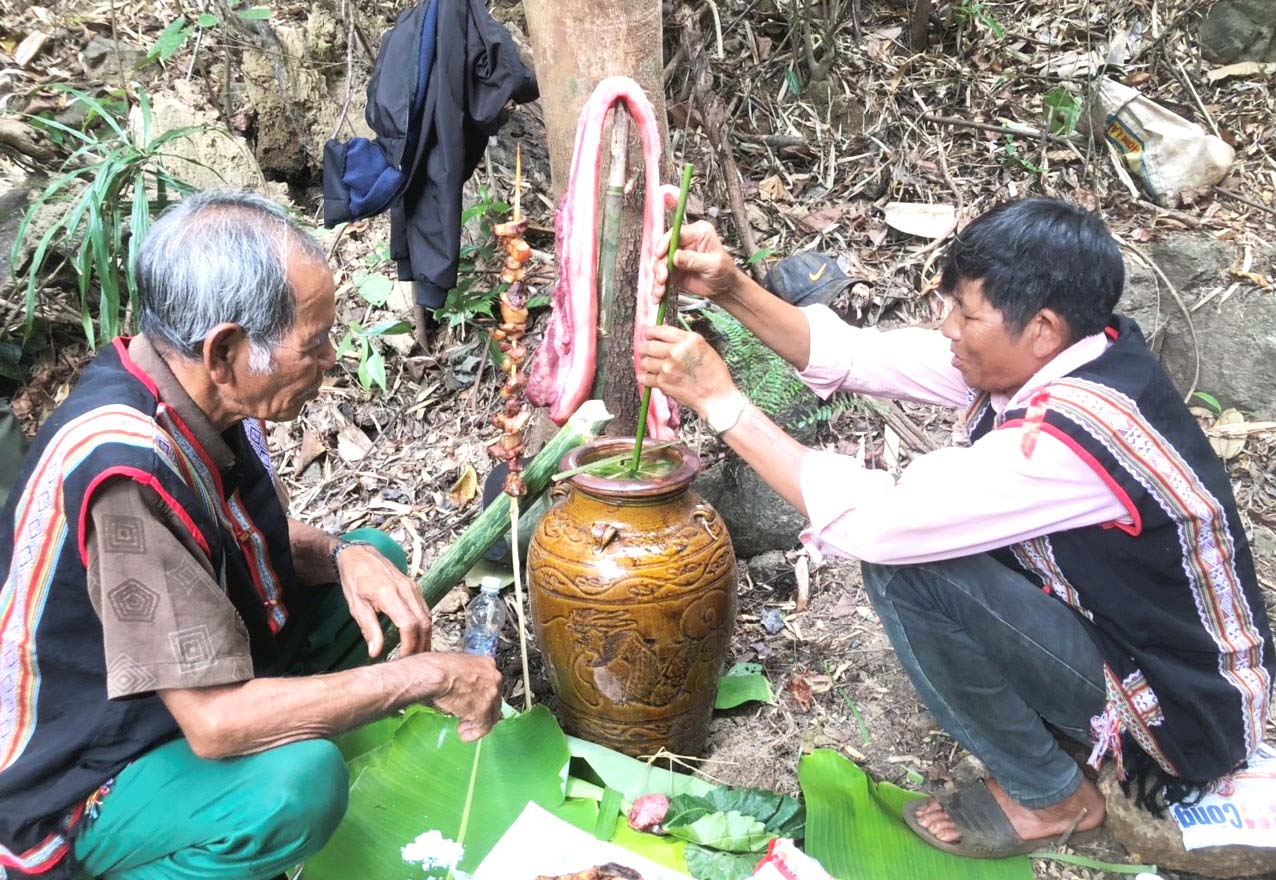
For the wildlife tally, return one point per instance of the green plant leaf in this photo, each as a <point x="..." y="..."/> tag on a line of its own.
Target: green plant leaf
<point x="855" y="828"/>
<point x="730" y="830"/>
<point x="632" y="777"/>
<point x="735" y="819"/>
<point x="208" y="20"/>
<point x="167" y="43"/>
<point x="347" y="344"/>
<point x="254" y="13"/>
<point x="1209" y="400"/>
<point x="421" y="782"/>
<point x="795" y="86"/>
<point x="372" y="368"/>
<point x="743" y="683"/>
<point x="709" y="864"/>
<point x="537" y="302"/>
<point x="759" y="255"/>
<point x="608" y="811"/>
<point x="375" y="289"/>
<point x="389" y="327"/>
<point x="1061" y="110"/>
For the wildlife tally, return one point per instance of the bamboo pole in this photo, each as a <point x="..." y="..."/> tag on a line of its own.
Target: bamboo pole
<point x="493" y="522"/>
<point x="609" y="247"/>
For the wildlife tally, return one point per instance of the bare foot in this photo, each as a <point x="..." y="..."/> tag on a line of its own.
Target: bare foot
<point x="1029" y="824"/>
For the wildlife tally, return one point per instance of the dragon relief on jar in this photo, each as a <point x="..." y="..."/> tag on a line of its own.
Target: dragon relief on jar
<point x="627" y="667"/>
<point x="571" y="579"/>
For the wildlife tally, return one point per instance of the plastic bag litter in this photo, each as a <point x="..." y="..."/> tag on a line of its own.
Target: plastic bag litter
<point x="1166" y="153"/>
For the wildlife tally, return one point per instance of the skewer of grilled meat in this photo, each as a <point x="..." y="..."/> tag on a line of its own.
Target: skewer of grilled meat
<point x="515" y="412"/>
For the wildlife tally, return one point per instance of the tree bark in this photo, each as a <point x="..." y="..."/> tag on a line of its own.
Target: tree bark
<point x="575" y="45"/>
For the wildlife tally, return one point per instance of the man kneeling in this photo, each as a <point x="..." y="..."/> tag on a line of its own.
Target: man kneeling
<point x="155" y="592"/>
<point x="1079" y="562"/>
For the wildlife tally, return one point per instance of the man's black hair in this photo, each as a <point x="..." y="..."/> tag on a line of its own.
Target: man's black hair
<point x="1038" y="254"/>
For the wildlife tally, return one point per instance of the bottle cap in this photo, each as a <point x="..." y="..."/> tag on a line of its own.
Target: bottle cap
<point x="490" y="585"/>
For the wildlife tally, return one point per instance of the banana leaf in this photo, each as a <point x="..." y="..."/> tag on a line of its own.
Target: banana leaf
<point x="668" y="851"/>
<point x="632" y="777"/>
<point x="854" y="826"/>
<point x="418" y="781"/>
<point x="743" y="683"/>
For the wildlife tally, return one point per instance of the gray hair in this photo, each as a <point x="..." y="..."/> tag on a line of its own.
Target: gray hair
<point x="217" y="257"/>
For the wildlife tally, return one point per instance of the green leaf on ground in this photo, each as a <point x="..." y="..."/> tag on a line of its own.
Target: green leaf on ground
<point x="169" y="40"/>
<point x="420" y="782"/>
<point x="743" y="683"/>
<point x="709" y="864"/>
<point x="254" y="13"/>
<point x="855" y="828"/>
<point x="735" y="819"/>
<point x="632" y="777"/>
<point x="375" y="289"/>
<point x="608" y="809"/>
<point x="730" y="830"/>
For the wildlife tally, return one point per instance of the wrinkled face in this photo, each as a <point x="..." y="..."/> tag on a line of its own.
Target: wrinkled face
<point x="988" y="355"/>
<point x="304" y="353"/>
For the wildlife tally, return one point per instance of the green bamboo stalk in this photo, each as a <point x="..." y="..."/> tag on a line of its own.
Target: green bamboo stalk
<point x="493" y="522"/>
<point x="678" y="214"/>
<point x="609" y="246"/>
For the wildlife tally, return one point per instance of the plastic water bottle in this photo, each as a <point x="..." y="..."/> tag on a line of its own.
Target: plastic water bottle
<point x="484" y="620"/>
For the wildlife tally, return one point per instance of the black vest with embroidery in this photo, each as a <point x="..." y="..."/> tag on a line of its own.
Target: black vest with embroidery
<point x="1173" y="596"/>
<point x="61" y="739"/>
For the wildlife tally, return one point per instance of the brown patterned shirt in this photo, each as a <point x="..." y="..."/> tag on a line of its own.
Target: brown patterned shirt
<point x="166" y="621"/>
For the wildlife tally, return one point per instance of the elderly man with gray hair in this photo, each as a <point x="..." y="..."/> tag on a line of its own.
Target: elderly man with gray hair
<point x="165" y="628"/>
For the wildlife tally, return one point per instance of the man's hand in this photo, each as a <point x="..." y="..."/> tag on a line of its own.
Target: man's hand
<point x="684" y="366"/>
<point x="701" y="266"/>
<point x="372" y="584"/>
<point x="471" y="691"/>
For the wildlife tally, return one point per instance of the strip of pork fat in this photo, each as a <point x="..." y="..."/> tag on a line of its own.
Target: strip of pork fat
<point x="562" y="370"/>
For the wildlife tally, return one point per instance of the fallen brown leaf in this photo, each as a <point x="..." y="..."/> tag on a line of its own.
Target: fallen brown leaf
<point x="800" y="690"/>
<point x="465" y="487"/>
<point x="312" y="446"/>
<point x="821" y="220"/>
<point x="352" y="444"/>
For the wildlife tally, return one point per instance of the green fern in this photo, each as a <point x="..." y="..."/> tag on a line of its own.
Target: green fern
<point x="767" y="379"/>
<point x="839" y="403"/>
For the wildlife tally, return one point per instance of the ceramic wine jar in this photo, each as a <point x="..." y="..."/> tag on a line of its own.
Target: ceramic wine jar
<point x="633" y="596"/>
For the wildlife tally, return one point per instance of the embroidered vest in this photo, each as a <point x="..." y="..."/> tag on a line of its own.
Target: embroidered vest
<point x="61" y="739"/>
<point x="1173" y="596"/>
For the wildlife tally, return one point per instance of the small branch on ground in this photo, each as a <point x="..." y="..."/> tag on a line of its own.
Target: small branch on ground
<point x="1030" y="133"/>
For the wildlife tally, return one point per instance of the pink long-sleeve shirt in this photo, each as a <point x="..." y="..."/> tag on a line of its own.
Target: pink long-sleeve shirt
<point x="955" y="501"/>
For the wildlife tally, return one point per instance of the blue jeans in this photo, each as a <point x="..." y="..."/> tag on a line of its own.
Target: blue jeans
<point x="994" y="658"/>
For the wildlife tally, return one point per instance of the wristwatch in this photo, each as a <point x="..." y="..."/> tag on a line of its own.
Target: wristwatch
<point x="337" y="549"/>
<point x="723" y="413"/>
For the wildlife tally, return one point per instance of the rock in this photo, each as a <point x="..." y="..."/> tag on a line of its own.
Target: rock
<point x="1160" y="842"/>
<point x="13" y="204"/>
<point x="1237" y="337"/>
<point x="297" y="106"/>
<point x="103" y="57"/>
<point x="771" y="567"/>
<point x="757" y="519"/>
<point x="1239" y="30"/>
<point x="211" y="158"/>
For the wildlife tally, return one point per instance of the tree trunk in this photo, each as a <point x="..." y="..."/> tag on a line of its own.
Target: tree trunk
<point x="575" y="45"/>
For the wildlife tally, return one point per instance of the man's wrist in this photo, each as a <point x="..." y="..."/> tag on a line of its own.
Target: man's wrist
<point x="339" y="546"/>
<point x="723" y="413"/>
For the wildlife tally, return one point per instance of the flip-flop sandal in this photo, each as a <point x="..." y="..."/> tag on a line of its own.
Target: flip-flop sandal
<point x="986" y="833"/>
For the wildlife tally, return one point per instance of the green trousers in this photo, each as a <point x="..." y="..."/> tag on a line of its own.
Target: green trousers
<point x="172" y="815"/>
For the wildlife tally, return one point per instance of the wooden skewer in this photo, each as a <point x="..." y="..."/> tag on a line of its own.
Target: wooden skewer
<point x="518" y="181"/>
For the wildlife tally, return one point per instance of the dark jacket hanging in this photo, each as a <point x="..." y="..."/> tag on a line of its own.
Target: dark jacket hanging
<point x="442" y="78"/>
